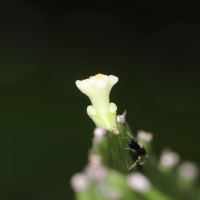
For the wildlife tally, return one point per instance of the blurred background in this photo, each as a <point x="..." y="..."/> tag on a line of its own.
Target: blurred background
<point x="45" y="133"/>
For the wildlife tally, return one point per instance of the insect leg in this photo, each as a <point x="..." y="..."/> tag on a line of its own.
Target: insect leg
<point x="134" y="164"/>
<point x="129" y="135"/>
<point x="128" y="148"/>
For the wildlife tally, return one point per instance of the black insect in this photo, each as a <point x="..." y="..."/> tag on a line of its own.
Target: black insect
<point x="140" y="152"/>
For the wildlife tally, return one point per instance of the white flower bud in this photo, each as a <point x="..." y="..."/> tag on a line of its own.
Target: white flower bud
<point x="99" y="132"/>
<point x="79" y="182"/>
<point x="169" y="158"/>
<point x="121" y="118"/>
<point x="144" y="136"/>
<point x="138" y="182"/>
<point x="188" y="171"/>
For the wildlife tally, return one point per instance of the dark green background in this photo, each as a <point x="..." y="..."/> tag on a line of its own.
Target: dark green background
<point x="44" y="47"/>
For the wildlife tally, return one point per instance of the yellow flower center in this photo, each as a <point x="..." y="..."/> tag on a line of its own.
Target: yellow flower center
<point x="99" y="76"/>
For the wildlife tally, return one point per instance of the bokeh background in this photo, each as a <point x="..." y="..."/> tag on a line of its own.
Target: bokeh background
<point x="45" y="132"/>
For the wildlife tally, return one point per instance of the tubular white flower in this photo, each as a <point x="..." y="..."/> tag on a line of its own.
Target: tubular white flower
<point x="98" y="88"/>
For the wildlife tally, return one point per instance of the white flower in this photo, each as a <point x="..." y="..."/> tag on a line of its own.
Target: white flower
<point x="98" y="88"/>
